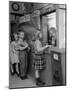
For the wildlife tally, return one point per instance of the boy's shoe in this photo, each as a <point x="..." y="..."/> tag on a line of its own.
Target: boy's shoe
<point x="18" y="74"/>
<point x="12" y="73"/>
<point x="24" y="77"/>
<point x="39" y="82"/>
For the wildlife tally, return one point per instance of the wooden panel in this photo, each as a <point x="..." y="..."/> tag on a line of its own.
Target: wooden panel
<point x="60" y="27"/>
<point x="44" y="28"/>
<point x="46" y="75"/>
<point x="63" y="64"/>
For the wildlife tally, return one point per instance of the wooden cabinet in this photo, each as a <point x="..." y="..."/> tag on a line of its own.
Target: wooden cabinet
<point x="46" y="74"/>
<point x="58" y="68"/>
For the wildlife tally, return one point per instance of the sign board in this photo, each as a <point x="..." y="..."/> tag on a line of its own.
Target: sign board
<point x="36" y="13"/>
<point x="25" y="18"/>
<point x="55" y="56"/>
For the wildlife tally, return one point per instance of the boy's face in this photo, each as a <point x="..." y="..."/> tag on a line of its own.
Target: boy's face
<point x="40" y="35"/>
<point x="52" y="33"/>
<point x="16" y="37"/>
<point x="21" y="35"/>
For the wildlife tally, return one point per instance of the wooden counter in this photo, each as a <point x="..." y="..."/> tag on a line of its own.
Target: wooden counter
<point x="55" y="49"/>
<point x="46" y="75"/>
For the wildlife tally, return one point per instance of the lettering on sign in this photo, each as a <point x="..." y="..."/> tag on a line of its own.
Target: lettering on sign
<point x="55" y="56"/>
<point x="36" y="13"/>
<point x="25" y="18"/>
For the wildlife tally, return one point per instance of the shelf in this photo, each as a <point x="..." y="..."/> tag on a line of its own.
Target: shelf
<point x="17" y="14"/>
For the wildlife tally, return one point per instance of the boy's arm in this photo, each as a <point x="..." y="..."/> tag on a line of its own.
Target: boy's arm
<point x="12" y="47"/>
<point x="17" y="48"/>
<point x="22" y="47"/>
<point x="42" y="48"/>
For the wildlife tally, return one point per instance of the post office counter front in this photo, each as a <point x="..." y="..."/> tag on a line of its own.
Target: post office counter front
<point x="54" y="74"/>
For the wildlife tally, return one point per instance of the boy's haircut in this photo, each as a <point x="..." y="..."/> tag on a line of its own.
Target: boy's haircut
<point x="15" y="33"/>
<point x="37" y="34"/>
<point x="19" y="30"/>
<point x="53" y="29"/>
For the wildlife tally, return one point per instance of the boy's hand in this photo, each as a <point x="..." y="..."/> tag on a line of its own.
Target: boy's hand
<point x="17" y="47"/>
<point x="48" y="46"/>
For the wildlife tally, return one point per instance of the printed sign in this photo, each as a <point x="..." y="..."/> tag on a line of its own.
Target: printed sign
<point x="36" y="13"/>
<point x="25" y="18"/>
<point x="55" y="56"/>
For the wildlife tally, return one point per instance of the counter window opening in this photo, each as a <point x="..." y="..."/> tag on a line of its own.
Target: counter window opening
<point x="49" y="29"/>
<point x="52" y="36"/>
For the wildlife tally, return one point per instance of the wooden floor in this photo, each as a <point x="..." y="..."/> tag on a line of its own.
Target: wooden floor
<point x="16" y="82"/>
<point x="46" y="76"/>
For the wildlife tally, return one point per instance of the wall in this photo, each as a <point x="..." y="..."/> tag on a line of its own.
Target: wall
<point x="52" y="20"/>
<point x="29" y="30"/>
<point x="61" y="13"/>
